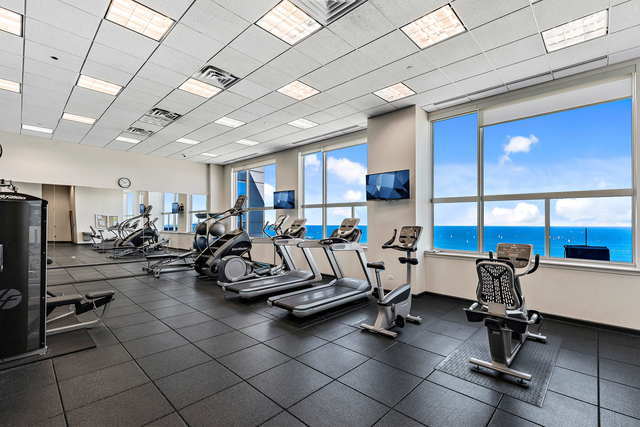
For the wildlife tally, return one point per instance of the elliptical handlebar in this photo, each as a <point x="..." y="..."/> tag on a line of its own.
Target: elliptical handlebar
<point x="536" y="264"/>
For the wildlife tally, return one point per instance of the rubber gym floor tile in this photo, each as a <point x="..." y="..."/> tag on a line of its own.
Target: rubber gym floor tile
<point x="23" y="378"/>
<point x="557" y="410"/>
<point x="30" y="406"/>
<point x="57" y="421"/>
<point x="614" y="419"/>
<point x="436" y="406"/>
<point x="239" y="321"/>
<point x="574" y="384"/>
<point x="452" y="329"/>
<point x="410" y="359"/>
<point x="365" y="343"/>
<point x="154" y="305"/>
<point x="478" y="392"/>
<point x="289" y="383"/>
<point x="380" y="382"/>
<point x="395" y="419"/>
<point x="620" y="398"/>
<point x="618" y="338"/>
<point x="153" y="344"/>
<point x="147" y="297"/>
<point x="225" y="344"/>
<point x="330" y="330"/>
<point x="171" y="420"/>
<point x="174" y="310"/>
<point x="189" y="386"/>
<point x="435" y="343"/>
<point x="620" y="353"/>
<point x="240" y="405"/>
<point x="136" y="406"/>
<point x="284" y="419"/>
<point x="122" y="311"/>
<point x="129" y="320"/>
<point x="188" y="319"/>
<point x="102" y="336"/>
<point x="338" y="405"/>
<point x="140" y="330"/>
<point x="578" y="362"/>
<point x="267" y="330"/>
<point x="332" y="359"/>
<point x="84" y="389"/>
<point x="253" y="360"/>
<point x="218" y="311"/>
<point x="620" y="372"/>
<point x="204" y="330"/>
<point x="456" y="314"/>
<point x="87" y="361"/>
<point x="168" y="362"/>
<point x="505" y="419"/>
<point x="295" y="344"/>
<point x="581" y="345"/>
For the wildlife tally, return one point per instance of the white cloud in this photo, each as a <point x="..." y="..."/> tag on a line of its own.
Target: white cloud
<point x="518" y="144"/>
<point x="611" y="211"/>
<point x="312" y="161"/>
<point x="353" y="196"/>
<point x="268" y="193"/>
<point x="522" y="213"/>
<point x="348" y="171"/>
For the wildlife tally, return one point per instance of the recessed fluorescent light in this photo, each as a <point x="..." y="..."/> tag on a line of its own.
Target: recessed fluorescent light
<point x="288" y="23"/>
<point x="98" y="85"/>
<point x="247" y="142"/>
<point x="10" y="22"/>
<point x="199" y="88"/>
<point x="139" y="18"/>
<point x="298" y="90"/>
<point x="129" y="140"/>
<point x="79" y="119"/>
<point x="303" y="123"/>
<point x="188" y="141"/>
<point x="37" y="129"/>
<point x="209" y="155"/>
<point x="228" y="121"/>
<point x="9" y="85"/>
<point x="394" y="92"/>
<point x="434" y="27"/>
<point x="577" y="31"/>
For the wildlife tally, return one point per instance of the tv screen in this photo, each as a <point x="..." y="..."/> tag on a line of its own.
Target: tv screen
<point x="141" y="208"/>
<point x="284" y="199"/>
<point x="388" y="185"/>
<point x="175" y="207"/>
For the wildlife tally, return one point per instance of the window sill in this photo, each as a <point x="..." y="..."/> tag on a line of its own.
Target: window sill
<point x="624" y="269"/>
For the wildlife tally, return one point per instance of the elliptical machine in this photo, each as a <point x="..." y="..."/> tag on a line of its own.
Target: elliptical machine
<point x="394" y="308"/>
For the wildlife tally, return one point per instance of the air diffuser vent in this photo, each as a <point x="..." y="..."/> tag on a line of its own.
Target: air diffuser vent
<point x="160" y="117"/>
<point x="327" y="11"/>
<point x="138" y="131"/>
<point x="216" y="76"/>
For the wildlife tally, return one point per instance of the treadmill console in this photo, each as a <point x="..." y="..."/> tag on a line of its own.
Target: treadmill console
<point x="409" y="235"/>
<point x="348" y="231"/>
<point x="518" y="253"/>
<point x="297" y="228"/>
<point x="279" y="221"/>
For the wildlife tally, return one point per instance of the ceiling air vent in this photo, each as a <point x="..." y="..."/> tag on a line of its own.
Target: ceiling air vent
<point x="327" y="11"/>
<point x="160" y="117"/>
<point x="216" y="76"/>
<point x="138" y="131"/>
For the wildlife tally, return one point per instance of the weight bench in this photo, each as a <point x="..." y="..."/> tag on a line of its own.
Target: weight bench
<point x="78" y="305"/>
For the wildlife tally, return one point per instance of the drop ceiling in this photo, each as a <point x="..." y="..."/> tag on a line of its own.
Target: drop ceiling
<point x="347" y="60"/>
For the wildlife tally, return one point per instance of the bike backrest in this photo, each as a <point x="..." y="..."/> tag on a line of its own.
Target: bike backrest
<point x="498" y="284"/>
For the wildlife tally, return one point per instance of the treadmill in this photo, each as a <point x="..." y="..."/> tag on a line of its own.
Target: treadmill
<point x="288" y="279"/>
<point x="338" y="291"/>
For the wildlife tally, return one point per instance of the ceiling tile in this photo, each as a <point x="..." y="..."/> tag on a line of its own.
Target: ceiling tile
<point x="467" y="68"/>
<point x="273" y="133"/>
<point x="12" y="62"/>
<point x="321" y="101"/>
<point x="48" y="35"/>
<point x="339" y="71"/>
<point x="117" y="118"/>
<point x="259" y="44"/>
<point x="480" y="82"/>
<point x="106" y="73"/>
<point x="10" y="43"/>
<point x="100" y="136"/>
<point x="362" y="25"/>
<point x="340" y="110"/>
<point x="140" y="84"/>
<point x="524" y="69"/>
<point x="180" y="101"/>
<point x="123" y="39"/>
<point x="517" y="51"/>
<point x="88" y="102"/>
<point x="389" y="48"/>
<point x="623" y="40"/>
<point x="243" y="116"/>
<point x="294" y="63"/>
<point x="271" y="78"/>
<point x="250" y="10"/>
<point x="277" y="100"/>
<point x="230" y="99"/>
<point x="427" y="81"/>
<point x="46" y="70"/>
<point x="321" y="117"/>
<point x="69" y="131"/>
<point x="323" y="46"/>
<point x="94" y="7"/>
<point x="208" y="131"/>
<point x="452" y="50"/>
<point x="41" y="116"/>
<point x="171" y="148"/>
<point x="365" y="102"/>
<point x="192" y="42"/>
<point x="213" y="20"/>
<point x="259" y="108"/>
<point x="43" y="53"/>
<point x="63" y="16"/>
<point x="14" y="5"/>
<point x="45" y="97"/>
<point x="551" y="13"/>
<point x="249" y="89"/>
<point x="158" y="74"/>
<point x="171" y="8"/>
<point x="512" y="27"/>
<point x="401" y="12"/>
<point x="237" y="63"/>
<point x="578" y="53"/>
<point x="624" y="16"/>
<point x="115" y="58"/>
<point x="624" y="55"/>
<point x="13" y="74"/>
<point x="474" y="13"/>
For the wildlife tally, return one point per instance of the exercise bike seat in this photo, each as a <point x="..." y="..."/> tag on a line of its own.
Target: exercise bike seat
<point x="376" y="265"/>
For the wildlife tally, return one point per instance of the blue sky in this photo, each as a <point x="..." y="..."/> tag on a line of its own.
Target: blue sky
<point x="582" y="149"/>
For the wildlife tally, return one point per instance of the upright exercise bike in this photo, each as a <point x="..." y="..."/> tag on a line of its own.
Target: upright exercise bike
<point x="394" y="308"/>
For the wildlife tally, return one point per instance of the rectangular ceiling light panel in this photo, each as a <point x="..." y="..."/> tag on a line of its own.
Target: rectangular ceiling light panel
<point x="298" y="90"/>
<point x="129" y="140"/>
<point x="199" y="88"/>
<point x="139" y="18"/>
<point x="98" y="85"/>
<point x="577" y="31"/>
<point x="327" y="11"/>
<point x="209" y="155"/>
<point x="217" y="76"/>
<point x="79" y="119"/>
<point x="9" y="85"/>
<point x="289" y="23"/>
<point x="37" y="129"/>
<point x="434" y="27"/>
<point x="10" y="22"/>
<point x="247" y="142"/>
<point x="160" y="117"/>
<point x="395" y="92"/>
<point x="187" y="141"/>
<point x="228" y="121"/>
<point x="303" y="123"/>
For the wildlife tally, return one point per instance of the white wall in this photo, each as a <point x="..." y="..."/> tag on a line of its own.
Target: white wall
<point x="29" y="188"/>
<point x="89" y="202"/>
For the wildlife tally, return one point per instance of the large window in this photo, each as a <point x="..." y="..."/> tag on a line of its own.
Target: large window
<point x="198" y="205"/>
<point x="258" y="184"/>
<point x="169" y="219"/>
<point x="552" y="180"/>
<point x="334" y="189"/>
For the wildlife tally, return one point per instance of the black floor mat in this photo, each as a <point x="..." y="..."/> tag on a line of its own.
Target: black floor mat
<point x="534" y="358"/>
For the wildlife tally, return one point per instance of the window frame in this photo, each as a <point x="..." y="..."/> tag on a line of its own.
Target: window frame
<point x="325" y="205"/>
<point x="480" y="198"/>
<point x="234" y="191"/>
<point x="191" y="212"/>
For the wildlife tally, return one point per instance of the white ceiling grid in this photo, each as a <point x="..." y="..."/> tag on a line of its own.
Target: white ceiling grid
<point x="348" y="60"/>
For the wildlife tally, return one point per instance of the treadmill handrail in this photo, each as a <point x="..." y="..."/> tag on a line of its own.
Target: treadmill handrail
<point x="288" y="242"/>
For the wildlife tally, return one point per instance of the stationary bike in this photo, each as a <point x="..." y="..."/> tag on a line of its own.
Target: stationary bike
<point x="394" y="308"/>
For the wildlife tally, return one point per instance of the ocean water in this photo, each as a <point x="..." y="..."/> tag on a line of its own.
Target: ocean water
<point x="617" y="239"/>
<point x="314" y="232"/>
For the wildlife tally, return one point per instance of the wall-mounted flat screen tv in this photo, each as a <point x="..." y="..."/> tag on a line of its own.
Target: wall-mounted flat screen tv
<point x="284" y="199"/>
<point x="388" y="185"/>
<point x="175" y="207"/>
<point x="142" y="208"/>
